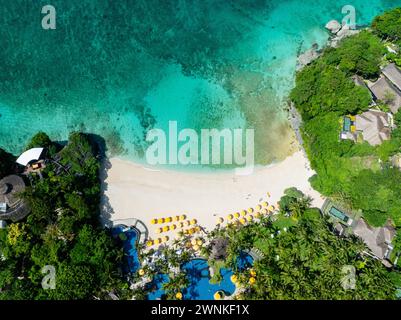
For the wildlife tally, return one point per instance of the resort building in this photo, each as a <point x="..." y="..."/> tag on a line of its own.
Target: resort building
<point x="388" y="88"/>
<point x="11" y="206"/>
<point x="392" y="73"/>
<point x="378" y="240"/>
<point x="373" y="126"/>
<point x="347" y="223"/>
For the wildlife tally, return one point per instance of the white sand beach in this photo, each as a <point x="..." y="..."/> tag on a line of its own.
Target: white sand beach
<point x="133" y="191"/>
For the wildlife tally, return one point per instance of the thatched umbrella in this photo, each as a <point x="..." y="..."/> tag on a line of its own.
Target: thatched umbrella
<point x="219" y="249"/>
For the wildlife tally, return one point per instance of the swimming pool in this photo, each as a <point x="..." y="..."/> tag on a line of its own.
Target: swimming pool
<point x="198" y="274"/>
<point x="129" y="238"/>
<point x="156" y="286"/>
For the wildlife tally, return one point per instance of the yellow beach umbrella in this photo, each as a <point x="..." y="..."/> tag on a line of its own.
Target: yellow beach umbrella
<point x="188" y="244"/>
<point x="252" y="273"/>
<point x="191" y="231"/>
<point x="193" y="242"/>
<point x="258" y="207"/>
<point x="270" y="208"/>
<point x="218" y="295"/>
<point x="187" y="223"/>
<point x="264" y="211"/>
<point x="141" y="272"/>
<point x="149" y="243"/>
<point x="183" y="217"/>
<point x="236" y="215"/>
<point x="252" y="280"/>
<point x="242" y="220"/>
<point x="196" y="247"/>
<point x="166" y="228"/>
<point x="169" y="219"/>
<point x="243" y="213"/>
<point x="176" y="218"/>
<point x="234" y="279"/>
<point x="249" y="218"/>
<point x="257" y="214"/>
<point x="199" y="242"/>
<point x="230" y="217"/>
<point x="166" y="238"/>
<point x="159" y="230"/>
<point x="220" y="220"/>
<point x="268" y="194"/>
<point x="160" y="220"/>
<point x="193" y="221"/>
<point x="156" y="241"/>
<point x="153" y="221"/>
<point x="173" y="227"/>
<point x="178" y="295"/>
<point x="250" y="210"/>
<point x="265" y="204"/>
<point x="181" y="225"/>
<point x="197" y="229"/>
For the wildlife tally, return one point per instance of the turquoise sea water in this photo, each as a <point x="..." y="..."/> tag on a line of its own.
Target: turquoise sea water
<point x="120" y="68"/>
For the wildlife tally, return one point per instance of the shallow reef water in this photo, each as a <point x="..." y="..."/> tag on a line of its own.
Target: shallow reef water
<point x="121" y="68"/>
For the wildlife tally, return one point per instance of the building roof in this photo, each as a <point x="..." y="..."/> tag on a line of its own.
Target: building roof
<point x="13" y="208"/>
<point x="382" y="88"/>
<point x="376" y="239"/>
<point x="219" y="248"/>
<point x="359" y="81"/>
<point x="393" y="74"/>
<point x="374" y="126"/>
<point x="29" y="156"/>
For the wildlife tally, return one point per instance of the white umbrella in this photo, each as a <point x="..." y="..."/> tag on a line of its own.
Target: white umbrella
<point x="29" y="156"/>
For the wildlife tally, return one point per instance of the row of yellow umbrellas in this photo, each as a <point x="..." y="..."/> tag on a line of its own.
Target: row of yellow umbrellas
<point x="192" y="230"/>
<point x="175" y="226"/>
<point x="168" y="219"/>
<point x="164" y="239"/>
<point x="259" y="210"/>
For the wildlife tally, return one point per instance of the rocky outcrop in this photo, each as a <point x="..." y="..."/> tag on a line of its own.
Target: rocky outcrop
<point x="333" y="26"/>
<point x="308" y="57"/>
<point x="339" y="32"/>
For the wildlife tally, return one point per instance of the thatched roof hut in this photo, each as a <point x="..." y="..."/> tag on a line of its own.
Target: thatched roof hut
<point x="378" y="240"/>
<point x="375" y="126"/>
<point x="218" y="249"/>
<point x="11" y="206"/>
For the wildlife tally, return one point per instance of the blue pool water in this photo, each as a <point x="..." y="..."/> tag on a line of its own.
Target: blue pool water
<point x="199" y="287"/>
<point x="156" y="285"/>
<point x="244" y="261"/>
<point x="129" y="240"/>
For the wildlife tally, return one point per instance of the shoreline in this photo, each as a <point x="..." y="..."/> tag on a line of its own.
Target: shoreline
<point x="132" y="191"/>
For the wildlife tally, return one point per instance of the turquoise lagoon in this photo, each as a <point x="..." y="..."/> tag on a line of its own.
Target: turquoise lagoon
<point x="120" y="68"/>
